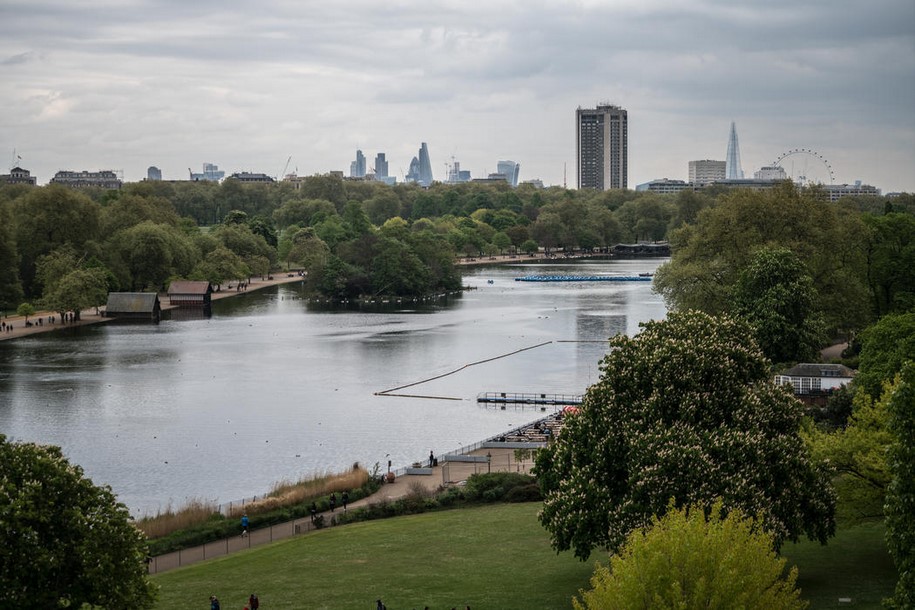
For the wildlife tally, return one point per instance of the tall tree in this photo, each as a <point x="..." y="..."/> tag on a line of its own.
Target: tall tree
<point x="885" y="347"/>
<point x="900" y="501"/>
<point x="709" y="255"/>
<point x="50" y="217"/>
<point x="687" y="410"/>
<point x="776" y="296"/>
<point x="65" y="542"/>
<point x="10" y="286"/>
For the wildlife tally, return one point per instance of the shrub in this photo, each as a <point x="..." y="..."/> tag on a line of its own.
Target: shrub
<point x="687" y="561"/>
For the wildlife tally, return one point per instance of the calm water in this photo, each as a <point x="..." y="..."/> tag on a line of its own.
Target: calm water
<point x="270" y="388"/>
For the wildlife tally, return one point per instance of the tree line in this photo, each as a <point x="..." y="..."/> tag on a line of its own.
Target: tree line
<point x="67" y="248"/>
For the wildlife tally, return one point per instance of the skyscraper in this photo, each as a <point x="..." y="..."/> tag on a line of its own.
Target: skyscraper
<point x="733" y="170"/>
<point x="420" y="167"/>
<point x="425" y="166"/>
<point x="602" y="138"/>
<point x="510" y="170"/>
<point x="357" y="167"/>
<point x="381" y="166"/>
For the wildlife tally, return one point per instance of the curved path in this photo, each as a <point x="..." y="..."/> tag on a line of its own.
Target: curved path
<point x="454" y="472"/>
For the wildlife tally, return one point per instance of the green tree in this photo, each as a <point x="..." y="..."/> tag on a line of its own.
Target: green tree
<point x="10" y="286"/>
<point x="396" y="270"/>
<point x="857" y="454"/>
<point x="47" y="218"/>
<point x="501" y="241"/>
<point x="148" y="254"/>
<point x="900" y="499"/>
<point x="885" y="347"/>
<point x="219" y="266"/>
<point x="529" y="246"/>
<point x="65" y="542"/>
<point x="688" y="561"/>
<point x="25" y="310"/>
<point x="776" y="296"/>
<point x="891" y="262"/>
<point x="687" y="410"/>
<point x="78" y="290"/>
<point x="709" y="255"/>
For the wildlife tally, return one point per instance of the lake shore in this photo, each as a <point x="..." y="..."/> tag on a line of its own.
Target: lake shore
<point x="94" y="315"/>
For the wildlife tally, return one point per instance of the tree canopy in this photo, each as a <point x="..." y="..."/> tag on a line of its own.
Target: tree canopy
<point x="65" y="542"/>
<point x="692" y="561"/>
<point x="686" y="410"/>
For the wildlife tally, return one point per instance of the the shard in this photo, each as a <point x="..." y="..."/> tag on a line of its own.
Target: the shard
<point x="733" y="171"/>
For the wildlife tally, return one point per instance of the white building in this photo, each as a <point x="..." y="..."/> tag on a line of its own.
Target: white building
<point x="706" y="171"/>
<point x="770" y="172"/>
<point x="807" y="378"/>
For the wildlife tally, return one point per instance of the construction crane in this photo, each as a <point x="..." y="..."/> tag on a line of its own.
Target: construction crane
<point x="285" y="167"/>
<point x="190" y="174"/>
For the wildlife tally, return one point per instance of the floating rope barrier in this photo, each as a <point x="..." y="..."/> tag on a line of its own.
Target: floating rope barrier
<point x="457" y="370"/>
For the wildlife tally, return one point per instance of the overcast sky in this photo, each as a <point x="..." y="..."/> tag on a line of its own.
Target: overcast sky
<point x="125" y="84"/>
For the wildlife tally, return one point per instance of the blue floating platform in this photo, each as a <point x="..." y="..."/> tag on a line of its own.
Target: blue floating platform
<point x="584" y="278"/>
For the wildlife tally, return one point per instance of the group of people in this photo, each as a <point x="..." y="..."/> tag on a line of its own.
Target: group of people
<point x="344" y="499"/>
<point x="7" y="327"/>
<point x="253" y="602"/>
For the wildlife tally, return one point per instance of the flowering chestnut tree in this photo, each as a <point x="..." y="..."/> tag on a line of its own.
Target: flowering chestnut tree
<point x="685" y="410"/>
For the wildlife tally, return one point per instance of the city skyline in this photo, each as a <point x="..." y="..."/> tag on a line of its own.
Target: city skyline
<point x="96" y="86"/>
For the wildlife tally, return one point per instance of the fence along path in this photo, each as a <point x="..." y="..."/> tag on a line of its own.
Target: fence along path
<point x="491" y="457"/>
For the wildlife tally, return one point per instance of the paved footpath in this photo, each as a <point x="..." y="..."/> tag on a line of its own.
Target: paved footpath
<point x="454" y="472"/>
<point x="94" y="315"/>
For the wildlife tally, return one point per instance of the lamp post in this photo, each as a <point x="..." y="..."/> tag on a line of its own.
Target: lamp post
<point x="488" y="462"/>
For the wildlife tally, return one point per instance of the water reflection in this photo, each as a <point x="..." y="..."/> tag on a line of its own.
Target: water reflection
<point x="273" y="386"/>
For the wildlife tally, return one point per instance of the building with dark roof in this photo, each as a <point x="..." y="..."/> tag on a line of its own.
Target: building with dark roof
<point x="18" y="175"/>
<point x="138" y="306"/>
<point x="190" y="293"/>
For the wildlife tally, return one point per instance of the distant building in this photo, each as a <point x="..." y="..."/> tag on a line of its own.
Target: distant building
<point x="211" y="173"/>
<point x="381" y="167"/>
<point x="413" y="171"/>
<point x="357" y="167"/>
<point x="770" y="172"/>
<point x="706" y="171"/>
<point x="510" y="170"/>
<point x="837" y="191"/>
<point x="18" y="175"/>
<point x="153" y="173"/>
<point x="252" y="177"/>
<point x="602" y="147"/>
<point x="105" y="179"/>
<point x="535" y="182"/>
<point x="665" y="186"/>
<point x="733" y="171"/>
<point x="456" y="175"/>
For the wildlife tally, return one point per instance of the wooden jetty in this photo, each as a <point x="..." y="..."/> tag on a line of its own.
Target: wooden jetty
<point x="517" y="398"/>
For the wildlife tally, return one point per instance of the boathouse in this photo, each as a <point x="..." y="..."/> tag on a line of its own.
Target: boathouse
<point x="134" y="306"/>
<point x="190" y="293"/>
<point x="814" y="382"/>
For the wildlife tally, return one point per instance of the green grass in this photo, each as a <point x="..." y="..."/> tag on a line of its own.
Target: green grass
<point x="487" y="557"/>
<point x="855" y="564"/>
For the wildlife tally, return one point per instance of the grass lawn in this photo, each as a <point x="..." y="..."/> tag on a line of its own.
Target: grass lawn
<point x="490" y="557"/>
<point x="855" y="564"/>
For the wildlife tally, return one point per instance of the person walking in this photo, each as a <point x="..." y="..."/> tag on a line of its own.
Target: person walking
<point x="314" y="511"/>
<point x="244" y="524"/>
<point x="345" y="499"/>
<point x="333" y="501"/>
<point x="431" y="458"/>
<point x="253" y="602"/>
<point x="214" y="603"/>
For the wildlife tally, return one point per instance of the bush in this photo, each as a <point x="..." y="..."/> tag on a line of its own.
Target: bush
<point x="687" y="561"/>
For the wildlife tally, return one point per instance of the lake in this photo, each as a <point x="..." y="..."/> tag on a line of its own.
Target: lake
<point x="272" y="387"/>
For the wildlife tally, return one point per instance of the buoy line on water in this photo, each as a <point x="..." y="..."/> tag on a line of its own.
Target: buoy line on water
<point x="390" y="391"/>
